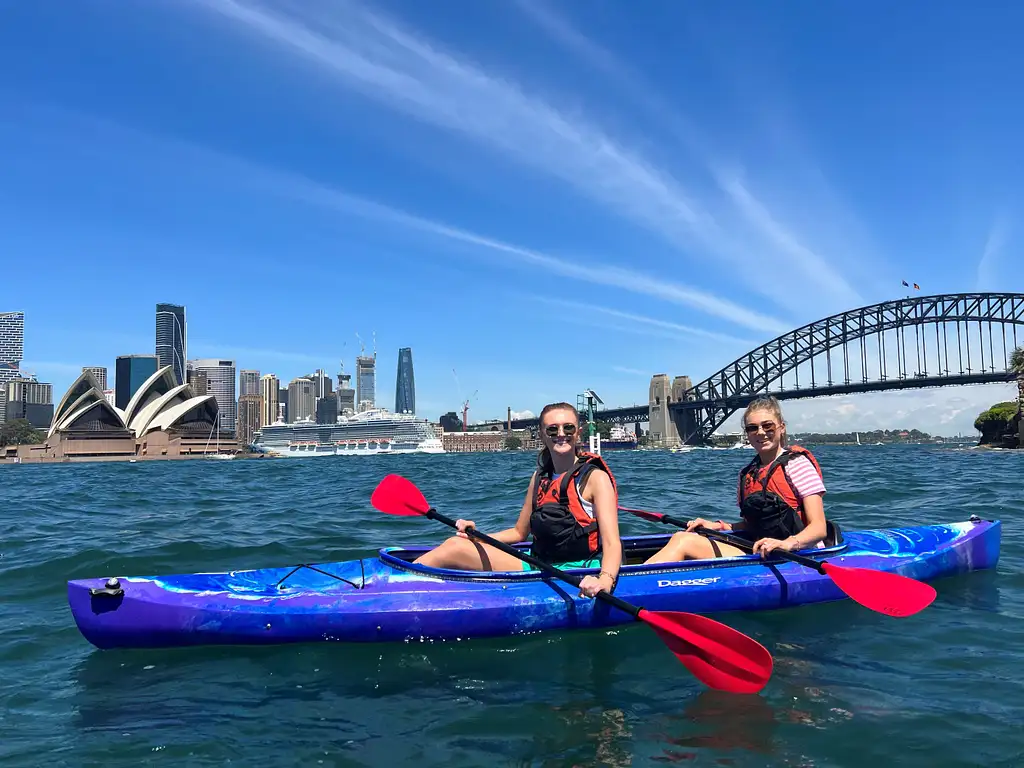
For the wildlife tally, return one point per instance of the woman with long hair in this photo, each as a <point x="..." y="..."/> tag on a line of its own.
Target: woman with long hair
<point x="570" y="511"/>
<point x="779" y="495"/>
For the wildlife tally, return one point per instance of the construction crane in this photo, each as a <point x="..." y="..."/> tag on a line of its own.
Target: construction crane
<point x="465" y="410"/>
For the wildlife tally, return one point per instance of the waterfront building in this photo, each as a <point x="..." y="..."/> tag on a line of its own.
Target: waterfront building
<point x="270" y="391"/>
<point x="99" y="372"/>
<point x="250" y="410"/>
<point x="130" y="372"/>
<point x="301" y="400"/>
<point x="366" y="382"/>
<point x="220" y="382"/>
<point x="171" y="339"/>
<point x="248" y="382"/>
<point x="163" y="420"/>
<point x="110" y="397"/>
<point x="12" y="346"/>
<point x="29" y="399"/>
<point x="405" y="383"/>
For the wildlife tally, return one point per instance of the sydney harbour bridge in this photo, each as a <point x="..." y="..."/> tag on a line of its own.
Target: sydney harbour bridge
<point x="910" y="343"/>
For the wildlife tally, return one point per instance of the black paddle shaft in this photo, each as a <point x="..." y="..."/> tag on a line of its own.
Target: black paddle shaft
<point x="747" y="545"/>
<point x="569" y="578"/>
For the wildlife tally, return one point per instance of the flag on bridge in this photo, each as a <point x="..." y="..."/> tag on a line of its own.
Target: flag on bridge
<point x="917" y="287"/>
<point x="906" y="283"/>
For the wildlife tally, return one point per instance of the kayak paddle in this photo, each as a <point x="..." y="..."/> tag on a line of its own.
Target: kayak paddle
<point x="717" y="655"/>
<point x="888" y="593"/>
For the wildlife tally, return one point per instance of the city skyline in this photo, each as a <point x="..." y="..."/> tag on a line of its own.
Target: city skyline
<point x="478" y="185"/>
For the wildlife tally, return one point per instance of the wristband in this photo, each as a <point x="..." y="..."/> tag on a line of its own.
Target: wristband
<point x="609" y="575"/>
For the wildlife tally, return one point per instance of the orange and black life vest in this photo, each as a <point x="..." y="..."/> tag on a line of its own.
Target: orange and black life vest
<point x="769" y="502"/>
<point x="562" y="528"/>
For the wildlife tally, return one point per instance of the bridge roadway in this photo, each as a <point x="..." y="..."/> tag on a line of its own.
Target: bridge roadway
<point x="641" y="413"/>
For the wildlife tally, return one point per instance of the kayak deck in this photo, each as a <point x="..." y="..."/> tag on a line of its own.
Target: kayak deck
<point x="389" y="598"/>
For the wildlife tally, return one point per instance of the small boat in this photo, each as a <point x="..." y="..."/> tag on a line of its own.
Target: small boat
<point x="387" y="598"/>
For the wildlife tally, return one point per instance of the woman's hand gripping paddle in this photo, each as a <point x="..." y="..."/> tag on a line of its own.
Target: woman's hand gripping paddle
<point x="717" y="655"/>
<point x="888" y="593"/>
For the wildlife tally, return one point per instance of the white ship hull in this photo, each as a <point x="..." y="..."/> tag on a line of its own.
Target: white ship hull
<point x="371" y="448"/>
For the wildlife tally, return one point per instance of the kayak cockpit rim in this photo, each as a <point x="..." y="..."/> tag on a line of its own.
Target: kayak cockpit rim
<point x="635" y="549"/>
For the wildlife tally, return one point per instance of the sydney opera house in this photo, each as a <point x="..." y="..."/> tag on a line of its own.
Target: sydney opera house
<point x="163" y="419"/>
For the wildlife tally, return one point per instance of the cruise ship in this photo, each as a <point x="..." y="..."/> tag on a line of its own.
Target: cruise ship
<point x="619" y="440"/>
<point x="370" y="433"/>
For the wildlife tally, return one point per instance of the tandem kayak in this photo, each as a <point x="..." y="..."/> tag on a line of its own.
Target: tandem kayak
<point x="386" y="598"/>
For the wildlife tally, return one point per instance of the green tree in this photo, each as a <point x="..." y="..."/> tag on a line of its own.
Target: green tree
<point x="513" y="443"/>
<point x="20" y="432"/>
<point x="1017" y="366"/>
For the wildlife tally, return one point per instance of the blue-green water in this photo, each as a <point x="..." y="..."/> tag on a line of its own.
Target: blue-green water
<point x="850" y="688"/>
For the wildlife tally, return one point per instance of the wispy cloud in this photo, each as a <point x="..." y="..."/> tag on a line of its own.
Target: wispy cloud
<point x="631" y="371"/>
<point x="988" y="278"/>
<point x="752" y="211"/>
<point x="375" y="57"/>
<point x="676" y="328"/>
<point x="181" y="156"/>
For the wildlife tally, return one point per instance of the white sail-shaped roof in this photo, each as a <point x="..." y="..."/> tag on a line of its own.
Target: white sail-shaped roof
<point x="180" y="394"/>
<point x="170" y="417"/>
<point x="69" y="411"/>
<point x="80" y="387"/>
<point x="160" y="383"/>
<point x="77" y="416"/>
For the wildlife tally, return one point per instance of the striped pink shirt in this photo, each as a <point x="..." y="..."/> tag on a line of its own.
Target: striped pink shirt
<point x="805" y="478"/>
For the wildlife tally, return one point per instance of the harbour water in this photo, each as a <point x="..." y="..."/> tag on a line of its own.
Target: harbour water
<point x="850" y="688"/>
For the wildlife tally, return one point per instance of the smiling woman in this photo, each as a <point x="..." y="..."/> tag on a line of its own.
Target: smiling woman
<point x="570" y="510"/>
<point x="779" y="494"/>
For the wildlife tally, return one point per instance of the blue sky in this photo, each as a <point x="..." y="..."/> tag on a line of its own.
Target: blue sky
<point x="542" y="196"/>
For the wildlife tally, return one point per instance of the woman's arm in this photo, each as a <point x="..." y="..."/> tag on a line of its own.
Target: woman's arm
<point x="606" y="511"/>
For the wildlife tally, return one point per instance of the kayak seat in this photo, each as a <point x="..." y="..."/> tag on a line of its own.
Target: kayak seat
<point x="834" y="534"/>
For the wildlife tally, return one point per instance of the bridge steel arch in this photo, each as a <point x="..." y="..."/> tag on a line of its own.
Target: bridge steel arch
<point x="708" y="404"/>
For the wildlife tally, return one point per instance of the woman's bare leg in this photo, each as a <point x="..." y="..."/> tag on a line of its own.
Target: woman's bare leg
<point x="692" y="546"/>
<point x="467" y="555"/>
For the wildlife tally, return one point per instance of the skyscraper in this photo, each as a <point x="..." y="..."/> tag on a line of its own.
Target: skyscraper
<point x="248" y="382"/>
<point x="301" y="400"/>
<point x="98" y="372"/>
<point x="270" y="390"/>
<point x="220" y="382"/>
<point x="405" y="383"/>
<point x="12" y="346"/>
<point x="346" y="395"/>
<point x="250" y="408"/>
<point x="322" y="385"/>
<point x="366" y="382"/>
<point x="170" y="339"/>
<point x="130" y="373"/>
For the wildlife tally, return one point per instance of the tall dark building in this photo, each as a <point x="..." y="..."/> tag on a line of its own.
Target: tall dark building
<point x="130" y="373"/>
<point x="327" y="409"/>
<point x="170" y="339"/>
<point x="405" y="383"/>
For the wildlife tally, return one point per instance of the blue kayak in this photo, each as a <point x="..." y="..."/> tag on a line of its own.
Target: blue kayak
<point x="387" y="598"/>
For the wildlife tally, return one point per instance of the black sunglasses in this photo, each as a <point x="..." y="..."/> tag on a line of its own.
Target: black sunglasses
<point x="568" y="429"/>
<point x="767" y="426"/>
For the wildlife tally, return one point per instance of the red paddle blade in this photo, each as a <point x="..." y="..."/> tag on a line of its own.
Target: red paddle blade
<point x="717" y="655"/>
<point x="397" y="495"/>
<point x="887" y="593"/>
<point x="654" y="517"/>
